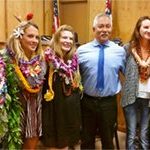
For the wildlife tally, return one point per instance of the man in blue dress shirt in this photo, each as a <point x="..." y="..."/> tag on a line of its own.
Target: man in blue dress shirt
<point x="100" y="62"/>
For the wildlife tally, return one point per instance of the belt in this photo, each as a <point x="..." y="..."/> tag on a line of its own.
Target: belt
<point x="97" y="97"/>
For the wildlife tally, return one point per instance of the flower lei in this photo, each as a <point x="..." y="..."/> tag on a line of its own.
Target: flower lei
<point x="3" y="93"/>
<point x="65" y="70"/>
<point x="10" y="114"/>
<point x="30" y="69"/>
<point x="144" y="70"/>
<point x="24" y="81"/>
<point x="3" y="87"/>
<point x="50" y="93"/>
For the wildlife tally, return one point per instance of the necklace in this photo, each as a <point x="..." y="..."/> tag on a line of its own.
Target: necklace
<point x="65" y="70"/>
<point x="24" y="81"/>
<point x="30" y="70"/>
<point x="3" y="86"/>
<point x="144" y="70"/>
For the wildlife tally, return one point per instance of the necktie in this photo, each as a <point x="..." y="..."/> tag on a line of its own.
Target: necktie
<point x="100" y="71"/>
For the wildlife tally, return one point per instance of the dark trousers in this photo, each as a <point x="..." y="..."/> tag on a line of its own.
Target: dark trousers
<point x="99" y="116"/>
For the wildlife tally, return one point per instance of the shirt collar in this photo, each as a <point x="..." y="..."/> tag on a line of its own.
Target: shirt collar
<point x="96" y="43"/>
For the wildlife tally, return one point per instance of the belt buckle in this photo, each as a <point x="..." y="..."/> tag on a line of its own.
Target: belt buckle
<point x="99" y="98"/>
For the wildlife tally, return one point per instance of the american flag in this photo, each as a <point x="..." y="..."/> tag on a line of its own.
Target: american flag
<point x="56" y="21"/>
<point x="108" y="7"/>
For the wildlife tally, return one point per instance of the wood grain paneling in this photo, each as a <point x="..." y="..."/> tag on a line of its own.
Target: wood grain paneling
<point x="48" y="17"/>
<point x="125" y="16"/>
<point x="21" y="8"/>
<point x="41" y="9"/>
<point x="71" y="1"/>
<point x="75" y="14"/>
<point x="95" y="7"/>
<point x="3" y="21"/>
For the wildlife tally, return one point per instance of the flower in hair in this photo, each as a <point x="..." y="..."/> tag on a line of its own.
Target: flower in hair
<point x="29" y="16"/>
<point x="18" y="32"/>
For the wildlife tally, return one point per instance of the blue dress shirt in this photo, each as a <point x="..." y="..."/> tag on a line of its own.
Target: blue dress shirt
<point x="114" y="56"/>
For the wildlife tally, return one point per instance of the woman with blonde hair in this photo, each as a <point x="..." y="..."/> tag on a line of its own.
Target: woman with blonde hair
<point x="61" y="107"/>
<point x="28" y="68"/>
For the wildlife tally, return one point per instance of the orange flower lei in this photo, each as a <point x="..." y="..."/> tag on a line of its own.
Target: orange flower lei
<point x="24" y="81"/>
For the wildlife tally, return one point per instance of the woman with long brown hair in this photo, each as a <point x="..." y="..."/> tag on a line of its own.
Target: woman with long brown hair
<point x="136" y="90"/>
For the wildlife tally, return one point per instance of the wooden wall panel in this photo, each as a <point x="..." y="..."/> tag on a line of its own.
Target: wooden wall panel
<point x="42" y="10"/>
<point x="94" y="7"/>
<point x="48" y="17"/>
<point x="75" y="14"/>
<point x="21" y="8"/>
<point x="125" y="16"/>
<point x="36" y="6"/>
<point x="2" y="23"/>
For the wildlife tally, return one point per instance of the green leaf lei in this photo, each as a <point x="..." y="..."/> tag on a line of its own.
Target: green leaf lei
<point x="3" y="123"/>
<point x="13" y="139"/>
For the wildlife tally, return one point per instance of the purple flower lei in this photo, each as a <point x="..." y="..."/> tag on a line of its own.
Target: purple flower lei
<point x="10" y="52"/>
<point x="3" y="87"/>
<point x="26" y="65"/>
<point x="32" y="70"/>
<point x="64" y="69"/>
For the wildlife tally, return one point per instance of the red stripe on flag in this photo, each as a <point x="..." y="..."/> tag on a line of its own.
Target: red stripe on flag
<point x="56" y="21"/>
<point x="108" y="7"/>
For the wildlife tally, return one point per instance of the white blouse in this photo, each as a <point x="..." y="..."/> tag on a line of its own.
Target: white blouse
<point x="144" y="89"/>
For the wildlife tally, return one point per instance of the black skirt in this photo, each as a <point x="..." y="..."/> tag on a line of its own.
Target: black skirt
<point x="61" y="118"/>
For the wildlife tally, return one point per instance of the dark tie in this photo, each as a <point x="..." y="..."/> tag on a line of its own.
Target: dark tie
<point x="100" y="71"/>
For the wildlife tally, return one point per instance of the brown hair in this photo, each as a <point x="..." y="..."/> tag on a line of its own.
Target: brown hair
<point x="135" y="38"/>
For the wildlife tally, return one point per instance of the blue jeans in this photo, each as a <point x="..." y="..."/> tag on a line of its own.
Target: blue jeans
<point x="137" y="113"/>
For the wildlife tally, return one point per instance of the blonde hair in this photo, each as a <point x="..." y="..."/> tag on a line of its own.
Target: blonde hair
<point x="55" y="44"/>
<point x="14" y="43"/>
